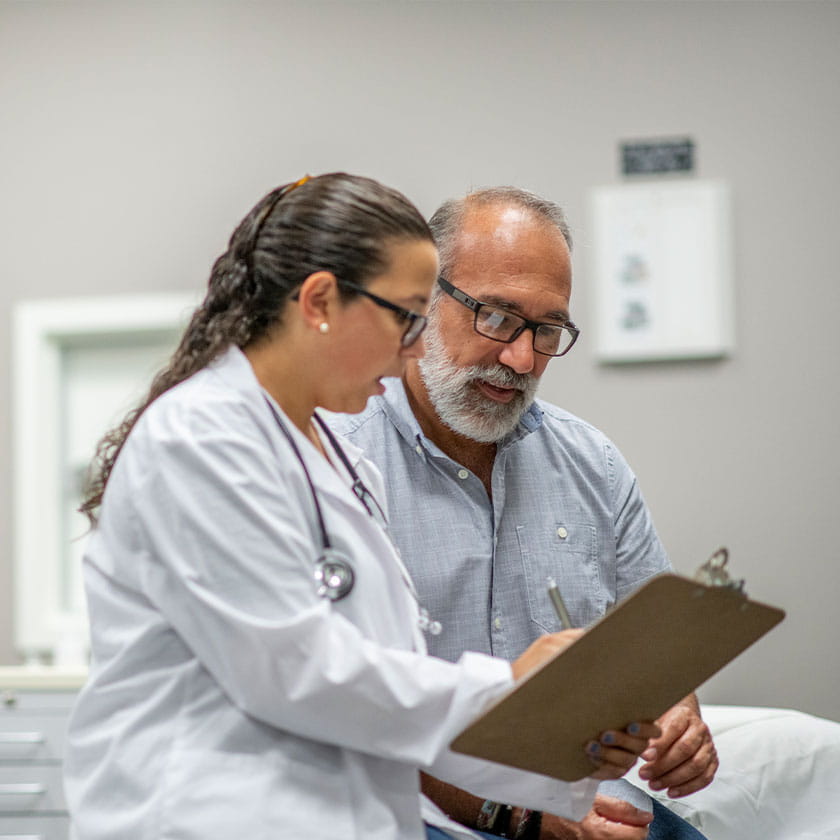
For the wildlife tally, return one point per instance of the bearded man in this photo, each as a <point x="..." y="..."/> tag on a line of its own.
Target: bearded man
<point x="491" y="491"/>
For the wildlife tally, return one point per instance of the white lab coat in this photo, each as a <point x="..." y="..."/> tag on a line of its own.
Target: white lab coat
<point x="226" y="699"/>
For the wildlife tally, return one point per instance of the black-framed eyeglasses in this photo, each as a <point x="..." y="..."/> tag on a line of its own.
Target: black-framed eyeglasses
<point x="415" y="324"/>
<point x="501" y="325"/>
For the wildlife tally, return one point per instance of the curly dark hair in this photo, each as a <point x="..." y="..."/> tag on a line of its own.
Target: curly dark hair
<point x="335" y="222"/>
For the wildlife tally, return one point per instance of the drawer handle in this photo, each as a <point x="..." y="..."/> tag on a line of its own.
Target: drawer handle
<point x="21" y="837"/>
<point x="21" y="738"/>
<point x="22" y="789"/>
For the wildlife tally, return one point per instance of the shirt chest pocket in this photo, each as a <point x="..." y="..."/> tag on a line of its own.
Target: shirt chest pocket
<point x="567" y="552"/>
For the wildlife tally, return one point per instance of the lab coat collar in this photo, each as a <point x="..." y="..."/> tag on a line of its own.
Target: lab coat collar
<point x="234" y="369"/>
<point x="355" y="455"/>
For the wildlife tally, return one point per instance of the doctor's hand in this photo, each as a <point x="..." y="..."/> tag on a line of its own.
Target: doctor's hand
<point x="542" y="650"/>
<point x="615" y="751"/>
<point x="683" y="758"/>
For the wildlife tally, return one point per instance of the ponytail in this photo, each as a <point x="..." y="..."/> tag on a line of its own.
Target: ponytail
<point x="337" y="222"/>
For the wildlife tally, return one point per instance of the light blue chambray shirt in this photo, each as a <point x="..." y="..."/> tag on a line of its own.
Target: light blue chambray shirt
<point x="565" y="504"/>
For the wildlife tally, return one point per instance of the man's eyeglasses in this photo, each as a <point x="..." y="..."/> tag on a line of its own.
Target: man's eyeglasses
<point x="415" y="324"/>
<point x="501" y="325"/>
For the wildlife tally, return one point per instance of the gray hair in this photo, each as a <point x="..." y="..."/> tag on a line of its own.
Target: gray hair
<point x="447" y="219"/>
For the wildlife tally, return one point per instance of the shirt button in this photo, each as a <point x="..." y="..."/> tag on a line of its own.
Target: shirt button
<point x="463" y="474"/>
<point x="497" y="623"/>
<point x="418" y="449"/>
<point x="562" y="533"/>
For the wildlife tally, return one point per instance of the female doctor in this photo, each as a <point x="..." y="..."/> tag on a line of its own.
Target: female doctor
<point x="258" y="660"/>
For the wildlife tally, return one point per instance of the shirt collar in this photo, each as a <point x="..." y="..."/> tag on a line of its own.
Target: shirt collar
<point x="396" y="406"/>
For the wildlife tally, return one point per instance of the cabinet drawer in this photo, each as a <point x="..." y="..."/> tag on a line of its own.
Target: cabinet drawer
<point x="31" y="789"/>
<point x="13" y="700"/>
<point x="32" y="737"/>
<point x="34" y="828"/>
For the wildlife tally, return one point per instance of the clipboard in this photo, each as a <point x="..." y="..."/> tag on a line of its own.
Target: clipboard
<point x="653" y="649"/>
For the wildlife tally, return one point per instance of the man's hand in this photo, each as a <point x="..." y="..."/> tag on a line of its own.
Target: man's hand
<point x="609" y="819"/>
<point x="683" y="758"/>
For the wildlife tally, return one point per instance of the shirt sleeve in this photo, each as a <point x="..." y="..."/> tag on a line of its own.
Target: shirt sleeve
<point x="505" y="784"/>
<point x="640" y="554"/>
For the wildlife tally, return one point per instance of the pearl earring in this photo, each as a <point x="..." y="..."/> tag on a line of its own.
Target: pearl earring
<point x="324" y="327"/>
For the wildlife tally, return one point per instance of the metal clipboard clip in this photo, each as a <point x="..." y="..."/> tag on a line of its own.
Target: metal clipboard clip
<point x="714" y="573"/>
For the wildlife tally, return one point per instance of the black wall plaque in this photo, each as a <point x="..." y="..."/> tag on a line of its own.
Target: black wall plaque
<point x="652" y="156"/>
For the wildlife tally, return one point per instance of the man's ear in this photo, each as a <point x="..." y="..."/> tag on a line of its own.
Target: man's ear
<point x="318" y="299"/>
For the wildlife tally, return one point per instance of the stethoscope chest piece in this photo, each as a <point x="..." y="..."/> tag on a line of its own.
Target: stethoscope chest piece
<point x="333" y="574"/>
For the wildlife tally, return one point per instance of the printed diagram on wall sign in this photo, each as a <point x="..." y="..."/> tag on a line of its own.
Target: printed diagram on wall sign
<point x="662" y="271"/>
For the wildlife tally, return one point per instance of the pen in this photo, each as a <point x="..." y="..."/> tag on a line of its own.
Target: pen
<point x="559" y="606"/>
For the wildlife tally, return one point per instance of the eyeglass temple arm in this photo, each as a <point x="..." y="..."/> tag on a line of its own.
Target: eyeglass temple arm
<point x="447" y="287"/>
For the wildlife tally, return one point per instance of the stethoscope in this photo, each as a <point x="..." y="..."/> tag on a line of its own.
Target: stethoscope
<point x="333" y="574"/>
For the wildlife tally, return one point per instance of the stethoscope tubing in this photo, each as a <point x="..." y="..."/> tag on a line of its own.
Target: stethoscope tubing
<point x="334" y="576"/>
<point x="325" y="537"/>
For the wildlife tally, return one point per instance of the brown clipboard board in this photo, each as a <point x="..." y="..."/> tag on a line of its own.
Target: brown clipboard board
<point x="636" y="662"/>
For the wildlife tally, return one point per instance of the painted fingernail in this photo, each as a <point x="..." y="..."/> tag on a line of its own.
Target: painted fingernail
<point x="634" y="728"/>
<point x="593" y="748"/>
<point x="608" y="738"/>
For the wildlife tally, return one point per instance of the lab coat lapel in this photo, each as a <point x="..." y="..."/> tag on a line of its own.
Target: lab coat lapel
<point x="235" y="370"/>
<point x="333" y="485"/>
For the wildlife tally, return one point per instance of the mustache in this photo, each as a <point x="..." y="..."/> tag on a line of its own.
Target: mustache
<point x="500" y="377"/>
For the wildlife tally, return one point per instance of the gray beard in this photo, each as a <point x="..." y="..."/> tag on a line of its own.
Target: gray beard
<point x="457" y="400"/>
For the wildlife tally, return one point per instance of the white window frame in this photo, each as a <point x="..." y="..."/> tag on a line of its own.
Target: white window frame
<point x="42" y="330"/>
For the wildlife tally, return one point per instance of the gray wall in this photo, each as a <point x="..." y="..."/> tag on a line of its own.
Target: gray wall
<point x="134" y="136"/>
